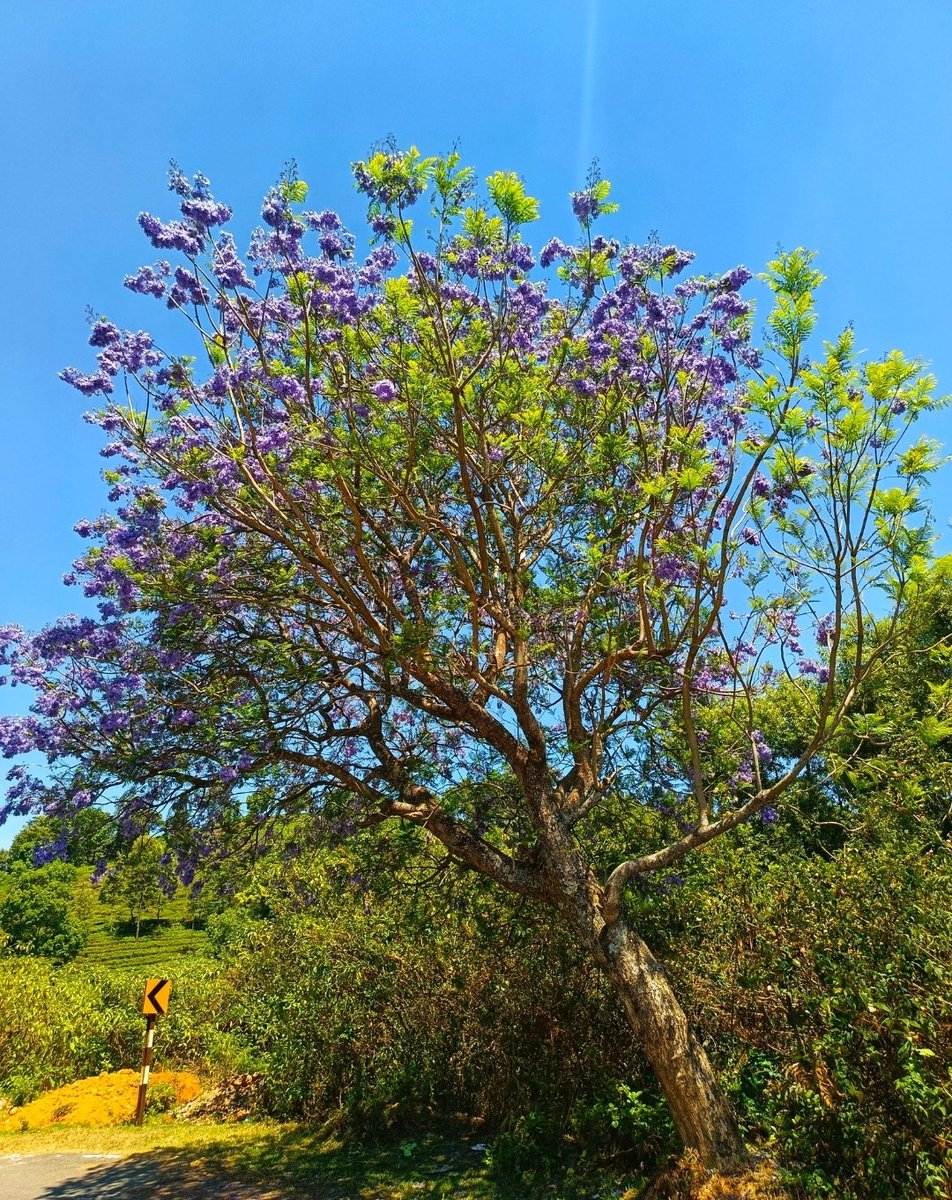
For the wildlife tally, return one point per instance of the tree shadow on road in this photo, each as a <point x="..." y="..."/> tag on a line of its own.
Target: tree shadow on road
<point x="159" y="1175"/>
<point x="285" y="1165"/>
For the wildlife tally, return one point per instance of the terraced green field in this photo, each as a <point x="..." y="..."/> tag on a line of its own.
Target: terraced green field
<point x="112" y="941"/>
<point x="163" y="937"/>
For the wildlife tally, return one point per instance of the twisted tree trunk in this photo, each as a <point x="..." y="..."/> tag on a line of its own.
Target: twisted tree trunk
<point x="699" y="1108"/>
<point x="701" y="1112"/>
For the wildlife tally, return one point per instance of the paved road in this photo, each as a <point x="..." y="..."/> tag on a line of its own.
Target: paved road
<point x="109" y="1177"/>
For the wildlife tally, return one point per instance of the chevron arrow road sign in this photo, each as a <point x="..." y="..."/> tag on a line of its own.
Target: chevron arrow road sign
<point x="155" y="1002"/>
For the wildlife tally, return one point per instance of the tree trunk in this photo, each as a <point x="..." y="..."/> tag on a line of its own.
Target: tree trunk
<point x="559" y="875"/>
<point x="701" y="1112"/>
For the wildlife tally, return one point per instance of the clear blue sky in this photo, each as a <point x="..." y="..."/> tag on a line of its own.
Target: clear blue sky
<point x="726" y="127"/>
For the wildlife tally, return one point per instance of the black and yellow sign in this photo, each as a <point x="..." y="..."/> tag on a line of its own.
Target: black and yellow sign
<point x="155" y="1002"/>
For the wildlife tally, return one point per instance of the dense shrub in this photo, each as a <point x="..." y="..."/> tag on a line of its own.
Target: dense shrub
<point x="384" y="1015"/>
<point x="822" y="984"/>
<point x="57" y="1025"/>
<point x="825" y="984"/>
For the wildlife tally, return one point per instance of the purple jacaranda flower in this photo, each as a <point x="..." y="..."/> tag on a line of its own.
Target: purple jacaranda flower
<point x="553" y="250"/>
<point x="336" y="244"/>
<point x="274" y="211"/>
<point x="825" y="629"/>
<point x="385" y="390"/>
<point x="98" y="384"/>
<point x="227" y="266"/>
<point x="171" y="235"/>
<point x="520" y="257"/>
<point x="384" y="225"/>
<point x="744" y="774"/>
<point x="111" y="722"/>
<point x="51" y="852"/>
<point x="736" y="279"/>
<point x="288" y="388"/>
<point x="378" y="261"/>
<point x="326" y="221"/>
<point x="764" y="753"/>
<point x="761" y="486"/>
<point x="178" y="180"/>
<point x="768" y="815"/>
<point x="104" y="333"/>
<point x="585" y="206"/>
<point x="205" y="212"/>
<point x="149" y="281"/>
<point x="187" y="289"/>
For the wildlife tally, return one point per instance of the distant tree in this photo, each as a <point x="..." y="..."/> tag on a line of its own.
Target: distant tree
<point x="430" y="540"/>
<point x="136" y="880"/>
<point x="34" y="838"/>
<point x="35" y="915"/>
<point x="89" y="836"/>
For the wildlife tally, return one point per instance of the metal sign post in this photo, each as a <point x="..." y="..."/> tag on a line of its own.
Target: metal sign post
<point x="155" y="1004"/>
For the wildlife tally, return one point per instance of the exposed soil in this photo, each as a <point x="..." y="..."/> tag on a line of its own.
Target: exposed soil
<point x="107" y="1099"/>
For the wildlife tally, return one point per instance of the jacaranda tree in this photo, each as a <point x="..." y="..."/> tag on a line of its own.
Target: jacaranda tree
<point x="431" y="536"/>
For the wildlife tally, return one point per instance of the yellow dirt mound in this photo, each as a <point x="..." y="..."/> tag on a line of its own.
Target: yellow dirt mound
<point x="102" y="1100"/>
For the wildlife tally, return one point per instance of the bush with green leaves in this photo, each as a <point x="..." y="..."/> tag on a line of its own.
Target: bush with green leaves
<point x="36" y="916"/>
<point x="471" y="1007"/>
<point x="61" y="1024"/>
<point x="827" y="983"/>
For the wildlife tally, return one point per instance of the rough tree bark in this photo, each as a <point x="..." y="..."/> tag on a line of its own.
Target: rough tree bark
<point x="699" y="1108"/>
<point x="701" y="1112"/>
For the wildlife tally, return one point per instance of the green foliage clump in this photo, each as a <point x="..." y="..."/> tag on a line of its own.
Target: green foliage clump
<point x="61" y="1024"/>
<point x="826" y="982"/>
<point x="160" y="1099"/>
<point x="35" y="916"/>
<point x="89" y="835"/>
<point x="458" y="1006"/>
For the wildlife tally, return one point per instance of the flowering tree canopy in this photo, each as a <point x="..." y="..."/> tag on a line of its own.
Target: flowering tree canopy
<point x="472" y="537"/>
